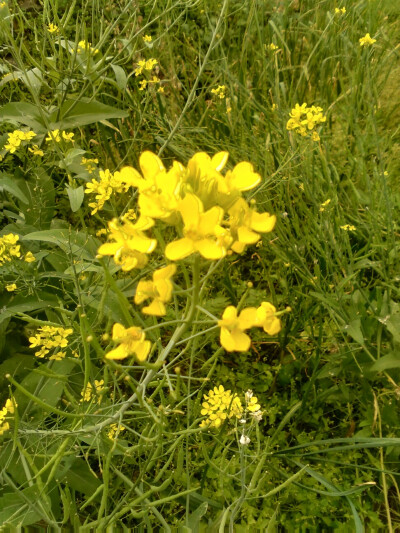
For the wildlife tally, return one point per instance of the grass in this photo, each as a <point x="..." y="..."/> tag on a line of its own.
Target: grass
<point x="326" y="454"/>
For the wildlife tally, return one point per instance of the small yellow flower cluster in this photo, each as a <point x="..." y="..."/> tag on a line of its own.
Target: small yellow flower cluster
<point x="85" y="47"/>
<point x="11" y="287"/>
<point x="87" y="393"/>
<point x="9" y="249"/>
<point x="35" y="150"/>
<point x="348" y="227"/>
<point x="272" y="47"/>
<point x="147" y="66"/>
<point x="366" y="40"/>
<point x="114" y="428"/>
<point x="131" y="341"/>
<point x="220" y="91"/>
<point x="57" y="135"/>
<point x="340" y="10"/>
<point x="233" y="326"/>
<point x="49" y="337"/>
<point x="9" y="408"/>
<point x="219" y="405"/>
<point x="324" y="204"/>
<point x="52" y="28"/>
<point x="89" y="164"/>
<point x="104" y="188"/>
<point x="147" y="38"/>
<point x="303" y="119"/>
<point x="16" y="137"/>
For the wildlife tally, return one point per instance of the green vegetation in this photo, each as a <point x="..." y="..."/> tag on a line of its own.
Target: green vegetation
<point x="103" y="421"/>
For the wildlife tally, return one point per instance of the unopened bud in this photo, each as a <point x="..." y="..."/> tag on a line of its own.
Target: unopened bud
<point x="250" y="285"/>
<point x="89" y="338"/>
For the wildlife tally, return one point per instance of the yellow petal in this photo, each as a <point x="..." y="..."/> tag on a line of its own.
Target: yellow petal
<point x="219" y="160"/>
<point x="272" y="326"/>
<point x="164" y="273"/>
<point x="118" y="332"/>
<point x="190" y="208"/>
<point x="247" y="236"/>
<point x="210" y="249"/>
<point x="210" y="219"/>
<point x="226" y="340"/>
<point x="238" y="247"/>
<point x="120" y="352"/>
<point x="109" y="248"/>
<point x="230" y="313"/>
<point x="179" y="249"/>
<point x="262" y="222"/>
<point x="142" y="350"/>
<point x="143" y="291"/>
<point x="248" y="318"/>
<point x="131" y="177"/>
<point x="164" y="288"/>
<point x="156" y="308"/>
<point x="241" y="340"/>
<point x="243" y="177"/>
<point x="150" y="165"/>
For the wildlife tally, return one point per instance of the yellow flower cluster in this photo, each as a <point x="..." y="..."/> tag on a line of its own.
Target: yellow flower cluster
<point x="87" y="393"/>
<point x="48" y="338"/>
<point x="303" y="119"/>
<point x="9" y="249"/>
<point x="366" y="40"/>
<point x="104" y="187"/>
<point x="89" y="164"/>
<point x="52" y="28"/>
<point x="131" y="341"/>
<point x="147" y="66"/>
<point x="9" y="408"/>
<point x="147" y="38"/>
<point x="219" y="405"/>
<point x="114" y="428"/>
<point x="272" y="47"/>
<point x="233" y="326"/>
<point x="206" y="208"/>
<point x="220" y="91"/>
<point x="16" y="137"/>
<point x="35" y="150"/>
<point x="57" y="135"/>
<point x="348" y="227"/>
<point x="340" y="10"/>
<point x="85" y="47"/>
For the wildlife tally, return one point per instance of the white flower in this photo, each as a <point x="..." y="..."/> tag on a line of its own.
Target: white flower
<point x="244" y="440"/>
<point x="257" y="416"/>
<point x="248" y="395"/>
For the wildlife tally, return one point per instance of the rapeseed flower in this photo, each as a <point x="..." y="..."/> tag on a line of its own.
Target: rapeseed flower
<point x="366" y="40"/>
<point x="89" y="164"/>
<point x="304" y="119"/>
<point x="202" y="232"/>
<point x="220" y="405"/>
<point x="11" y="287"/>
<point x="131" y="341"/>
<point x="104" y="187"/>
<point x="9" y="249"/>
<point x="48" y="338"/>
<point x="265" y="318"/>
<point x="159" y="290"/>
<point x="245" y="223"/>
<point x="147" y="38"/>
<point x="52" y="28"/>
<point x="16" y="137"/>
<point x="85" y="47"/>
<point x="340" y="10"/>
<point x="220" y="91"/>
<point x="87" y="393"/>
<point x="232" y="336"/>
<point x="9" y="408"/>
<point x="348" y="227"/>
<point x="130" y="244"/>
<point x="36" y="150"/>
<point x="114" y="428"/>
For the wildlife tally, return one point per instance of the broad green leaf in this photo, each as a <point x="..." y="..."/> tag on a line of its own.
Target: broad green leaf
<point x="20" y="508"/>
<point x="194" y="518"/>
<point x="120" y="77"/>
<point x="390" y="360"/>
<point x="73" y="114"/>
<point x="79" y="477"/>
<point x="354" y="330"/>
<point x="71" y="242"/>
<point x="76" y="197"/>
<point x="23" y="113"/>
<point x="10" y="185"/>
<point x="33" y="79"/>
<point x="21" y="304"/>
<point x="41" y="199"/>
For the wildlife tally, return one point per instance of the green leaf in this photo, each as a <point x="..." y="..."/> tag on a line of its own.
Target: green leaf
<point x="195" y="517"/>
<point x="79" y="477"/>
<point x="8" y="184"/>
<point x="20" y="508"/>
<point x="120" y="77"/>
<point x="390" y="360"/>
<point x="354" y="330"/>
<point x="41" y="199"/>
<point x="71" y="242"/>
<point x="22" y="304"/>
<point x="393" y="325"/>
<point x="33" y="79"/>
<point x="76" y="197"/>
<point x="73" y="114"/>
<point x="23" y="113"/>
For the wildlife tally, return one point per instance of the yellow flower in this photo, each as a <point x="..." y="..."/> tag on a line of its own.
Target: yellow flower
<point x="245" y="222"/>
<point x="53" y="135"/>
<point x="161" y="90"/>
<point x="202" y="232"/>
<point x="68" y="137"/>
<point x="158" y="188"/>
<point x="241" y="178"/>
<point x="265" y="318"/>
<point x="366" y="40"/>
<point x="9" y="249"/>
<point x="87" y="393"/>
<point x="85" y="47"/>
<point x="52" y="28"/>
<point x="324" y="204"/>
<point x="147" y="38"/>
<point x="232" y="337"/>
<point x="89" y="164"/>
<point x="49" y="337"/>
<point x="219" y="405"/>
<point x="348" y="227"/>
<point x="220" y="91"/>
<point x="114" y="428"/>
<point x="340" y="11"/>
<point x="131" y="342"/>
<point x="303" y="120"/>
<point x="16" y="137"/>
<point x="29" y="257"/>
<point x="272" y="47"/>
<point x="160" y="290"/>
<point x="11" y="287"/>
<point x="142" y="85"/>
<point x="36" y="150"/>
<point x="131" y="244"/>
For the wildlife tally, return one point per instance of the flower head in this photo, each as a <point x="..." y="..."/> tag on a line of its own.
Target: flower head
<point x="220" y="91"/>
<point x="219" y="405"/>
<point x="48" y="338"/>
<point x="131" y="341"/>
<point x="265" y="318"/>
<point x="159" y="290"/>
<point x="232" y="337"/>
<point x="366" y="40"/>
<point x="52" y="28"/>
